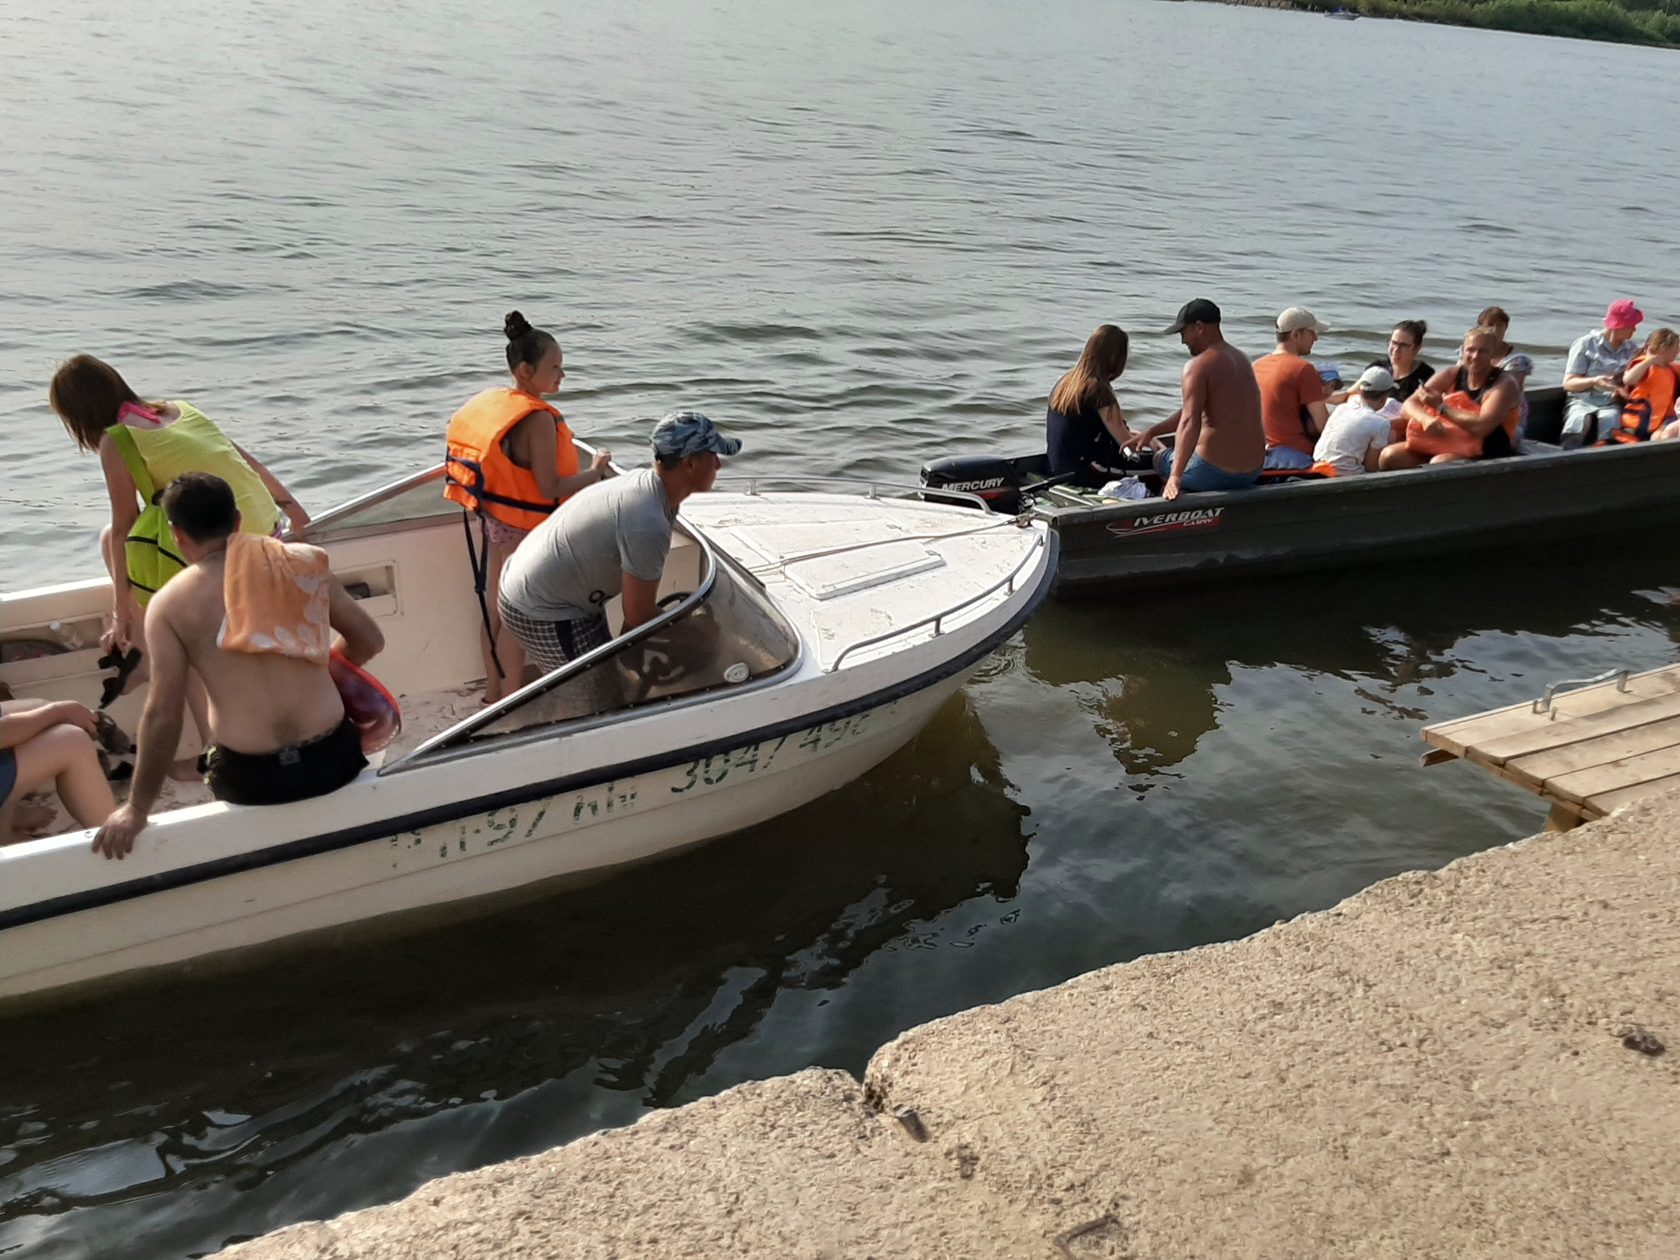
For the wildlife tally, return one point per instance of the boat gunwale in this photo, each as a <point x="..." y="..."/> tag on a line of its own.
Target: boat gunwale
<point x="1058" y="515"/>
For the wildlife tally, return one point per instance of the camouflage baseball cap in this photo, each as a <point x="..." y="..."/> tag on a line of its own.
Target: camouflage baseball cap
<point x="685" y="433"/>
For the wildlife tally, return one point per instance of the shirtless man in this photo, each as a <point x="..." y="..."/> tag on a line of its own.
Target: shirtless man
<point x="278" y="725"/>
<point x="1219" y="424"/>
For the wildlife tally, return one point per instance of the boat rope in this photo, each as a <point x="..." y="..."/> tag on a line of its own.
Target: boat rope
<point x="996" y="522"/>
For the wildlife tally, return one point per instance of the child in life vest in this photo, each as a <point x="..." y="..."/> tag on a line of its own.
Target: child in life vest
<point x="1651" y="384"/>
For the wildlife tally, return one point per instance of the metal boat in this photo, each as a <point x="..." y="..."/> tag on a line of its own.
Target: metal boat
<point x="1303" y="523"/>
<point x="805" y="635"/>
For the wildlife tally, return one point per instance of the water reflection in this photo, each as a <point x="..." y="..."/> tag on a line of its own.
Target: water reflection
<point x="491" y="1030"/>
<point x="1149" y="669"/>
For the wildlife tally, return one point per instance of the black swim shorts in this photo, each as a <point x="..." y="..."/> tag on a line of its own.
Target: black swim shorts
<point x="296" y="773"/>
<point x="8" y="774"/>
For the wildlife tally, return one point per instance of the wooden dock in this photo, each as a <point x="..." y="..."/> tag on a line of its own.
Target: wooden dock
<point x="1586" y="751"/>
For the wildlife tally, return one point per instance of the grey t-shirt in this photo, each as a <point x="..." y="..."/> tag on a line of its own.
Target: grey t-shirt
<point x="571" y="564"/>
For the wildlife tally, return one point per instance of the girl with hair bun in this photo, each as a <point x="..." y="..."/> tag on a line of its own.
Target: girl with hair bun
<point x="509" y="460"/>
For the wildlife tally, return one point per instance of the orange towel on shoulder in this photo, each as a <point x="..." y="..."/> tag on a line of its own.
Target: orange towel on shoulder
<point x="276" y="595"/>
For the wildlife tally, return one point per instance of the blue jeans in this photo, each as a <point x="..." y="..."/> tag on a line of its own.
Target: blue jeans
<point x="1286" y="457"/>
<point x="1199" y="475"/>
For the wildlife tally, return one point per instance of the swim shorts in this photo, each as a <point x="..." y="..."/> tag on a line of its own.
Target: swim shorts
<point x="550" y="644"/>
<point x="295" y="773"/>
<point x="8" y="773"/>
<point x="1201" y="476"/>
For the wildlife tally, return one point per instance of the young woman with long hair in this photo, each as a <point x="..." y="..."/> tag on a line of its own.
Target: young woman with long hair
<point x="1083" y="424"/>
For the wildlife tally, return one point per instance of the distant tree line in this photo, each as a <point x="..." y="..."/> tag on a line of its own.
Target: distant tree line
<point x="1655" y="22"/>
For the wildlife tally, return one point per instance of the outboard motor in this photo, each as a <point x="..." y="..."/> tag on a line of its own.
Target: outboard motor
<point x="990" y="477"/>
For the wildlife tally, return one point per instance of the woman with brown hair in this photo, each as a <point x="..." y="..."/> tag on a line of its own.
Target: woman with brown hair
<point x="1518" y="366"/>
<point x="1083" y="424"/>
<point x="160" y="441"/>
<point x="1405" y="360"/>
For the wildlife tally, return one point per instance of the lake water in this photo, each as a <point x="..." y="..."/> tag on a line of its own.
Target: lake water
<point x="857" y="235"/>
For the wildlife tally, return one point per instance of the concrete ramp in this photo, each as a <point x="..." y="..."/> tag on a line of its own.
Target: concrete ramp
<point x="1479" y="1062"/>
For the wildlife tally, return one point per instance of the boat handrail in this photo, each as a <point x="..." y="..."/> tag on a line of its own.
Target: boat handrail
<point x="572" y="669"/>
<point x="937" y="619"/>
<point x="871" y="489"/>
<point x="1544" y="703"/>
<point x="402" y="485"/>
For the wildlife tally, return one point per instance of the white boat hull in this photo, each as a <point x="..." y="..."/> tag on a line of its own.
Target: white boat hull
<point x="591" y="830"/>
<point x="879" y="633"/>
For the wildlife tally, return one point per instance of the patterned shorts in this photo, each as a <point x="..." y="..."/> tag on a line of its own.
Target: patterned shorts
<point x="502" y="534"/>
<point x="550" y="644"/>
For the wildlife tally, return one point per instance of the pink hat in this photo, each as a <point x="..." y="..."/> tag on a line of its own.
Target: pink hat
<point x="1623" y="314"/>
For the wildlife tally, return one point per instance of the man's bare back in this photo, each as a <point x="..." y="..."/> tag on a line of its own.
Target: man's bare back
<point x="277" y="724"/>
<point x="1219" y="383"/>
<point x="259" y="702"/>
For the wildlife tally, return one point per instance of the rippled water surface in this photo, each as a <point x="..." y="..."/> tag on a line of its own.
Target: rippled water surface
<point x="858" y="235"/>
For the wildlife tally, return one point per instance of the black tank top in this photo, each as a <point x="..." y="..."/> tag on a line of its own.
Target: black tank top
<point x="1497" y="444"/>
<point x="1475" y="395"/>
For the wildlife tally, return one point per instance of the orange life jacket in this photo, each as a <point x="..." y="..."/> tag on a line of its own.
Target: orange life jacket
<point x="1459" y="441"/>
<point x="478" y="473"/>
<point x="1649" y="406"/>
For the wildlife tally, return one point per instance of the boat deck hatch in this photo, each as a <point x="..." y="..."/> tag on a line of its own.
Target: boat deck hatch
<point x="826" y="577"/>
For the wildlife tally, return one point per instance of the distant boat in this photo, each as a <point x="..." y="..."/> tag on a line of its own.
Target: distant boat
<point x="1347" y="15"/>
<point x="1479" y="507"/>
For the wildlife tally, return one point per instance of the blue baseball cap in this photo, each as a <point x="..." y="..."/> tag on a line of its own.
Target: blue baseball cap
<point x="685" y="433"/>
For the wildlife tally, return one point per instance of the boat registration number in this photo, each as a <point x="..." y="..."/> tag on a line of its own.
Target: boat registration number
<point x="757" y="758"/>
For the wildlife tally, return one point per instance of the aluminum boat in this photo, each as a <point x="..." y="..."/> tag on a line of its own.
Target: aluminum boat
<point x="1543" y="494"/>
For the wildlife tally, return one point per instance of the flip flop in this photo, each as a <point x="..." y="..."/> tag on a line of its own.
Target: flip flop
<point x="125" y="663"/>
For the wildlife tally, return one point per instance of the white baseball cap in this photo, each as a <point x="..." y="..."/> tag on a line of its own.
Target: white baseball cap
<point x="1375" y="380"/>
<point x="1298" y="317"/>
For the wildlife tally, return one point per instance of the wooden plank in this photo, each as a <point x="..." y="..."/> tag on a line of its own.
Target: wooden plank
<point x="1596" y="781"/>
<point x="1587" y="704"/>
<point x="1566" y="731"/>
<point x="1535" y="768"/>
<point x="1435" y="756"/>
<point x="1599" y="806"/>
<point x="1586" y="700"/>
<point x="1461" y="733"/>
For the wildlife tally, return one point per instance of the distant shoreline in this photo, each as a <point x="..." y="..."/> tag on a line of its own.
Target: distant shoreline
<point x="1609" y="21"/>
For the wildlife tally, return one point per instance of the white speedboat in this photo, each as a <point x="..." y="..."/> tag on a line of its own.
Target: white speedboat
<point x="804" y="636"/>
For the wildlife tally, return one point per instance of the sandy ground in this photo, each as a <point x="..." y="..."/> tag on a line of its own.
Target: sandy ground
<point x="1483" y="1061"/>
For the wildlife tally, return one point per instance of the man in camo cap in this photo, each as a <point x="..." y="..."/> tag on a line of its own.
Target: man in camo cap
<point x="608" y="539"/>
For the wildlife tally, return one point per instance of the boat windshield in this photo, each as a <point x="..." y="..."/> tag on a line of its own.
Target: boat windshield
<point x="716" y="629"/>
<point x="413" y="502"/>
